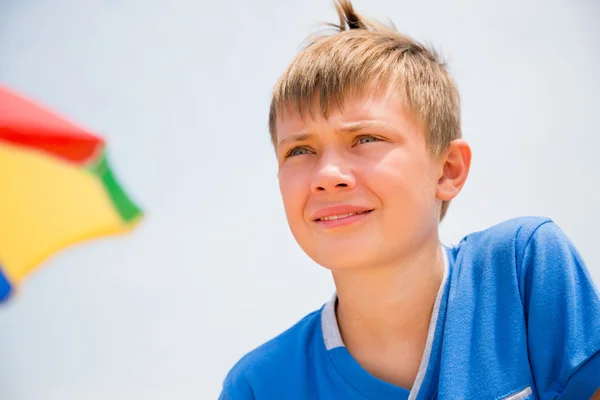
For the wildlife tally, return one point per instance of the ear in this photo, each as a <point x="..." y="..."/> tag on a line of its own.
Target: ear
<point x="456" y="163"/>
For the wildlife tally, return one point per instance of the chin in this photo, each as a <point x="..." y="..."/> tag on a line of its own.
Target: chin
<point x="344" y="252"/>
<point x="343" y="260"/>
<point x="358" y="253"/>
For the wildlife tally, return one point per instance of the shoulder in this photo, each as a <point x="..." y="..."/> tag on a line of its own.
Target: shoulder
<point x="518" y="252"/>
<point x="515" y="231"/>
<point x="524" y="240"/>
<point x="509" y="238"/>
<point x="498" y="254"/>
<point x="267" y="361"/>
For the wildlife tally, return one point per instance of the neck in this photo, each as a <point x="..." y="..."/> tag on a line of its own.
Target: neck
<point x="390" y="303"/>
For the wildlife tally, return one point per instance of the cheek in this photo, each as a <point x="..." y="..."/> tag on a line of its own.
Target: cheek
<point x="403" y="181"/>
<point x="294" y="190"/>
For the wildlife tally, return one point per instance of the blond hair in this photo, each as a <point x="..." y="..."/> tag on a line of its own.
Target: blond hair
<point x="361" y="56"/>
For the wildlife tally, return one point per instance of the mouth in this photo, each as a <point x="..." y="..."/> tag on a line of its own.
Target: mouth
<point x="342" y="216"/>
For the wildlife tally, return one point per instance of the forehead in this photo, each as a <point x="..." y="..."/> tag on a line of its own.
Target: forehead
<point x="388" y="107"/>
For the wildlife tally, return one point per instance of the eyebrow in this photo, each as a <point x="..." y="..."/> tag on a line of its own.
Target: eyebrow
<point x="363" y="125"/>
<point x="294" y="138"/>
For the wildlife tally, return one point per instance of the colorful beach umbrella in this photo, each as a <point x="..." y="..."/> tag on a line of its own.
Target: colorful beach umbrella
<point x="56" y="188"/>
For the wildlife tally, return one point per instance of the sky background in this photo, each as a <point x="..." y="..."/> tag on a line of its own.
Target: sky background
<point x="181" y="91"/>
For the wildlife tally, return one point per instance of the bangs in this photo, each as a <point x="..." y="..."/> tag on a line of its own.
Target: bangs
<point x="324" y="75"/>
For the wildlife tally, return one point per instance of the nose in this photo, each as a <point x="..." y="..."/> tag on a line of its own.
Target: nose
<point x="333" y="174"/>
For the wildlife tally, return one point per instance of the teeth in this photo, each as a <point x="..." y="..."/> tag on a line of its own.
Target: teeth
<point x="334" y="217"/>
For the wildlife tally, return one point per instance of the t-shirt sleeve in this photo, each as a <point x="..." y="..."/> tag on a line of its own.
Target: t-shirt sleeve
<point x="236" y="386"/>
<point x="562" y="309"/>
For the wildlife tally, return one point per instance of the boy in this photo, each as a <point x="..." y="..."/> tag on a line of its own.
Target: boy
<point x="366" y="126"/>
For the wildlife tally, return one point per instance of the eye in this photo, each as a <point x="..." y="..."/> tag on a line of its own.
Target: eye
<point x="297" y="151"/>
<point x="367" y="139"/>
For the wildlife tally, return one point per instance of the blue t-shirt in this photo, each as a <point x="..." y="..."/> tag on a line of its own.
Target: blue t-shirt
<point x="516" y="317"/>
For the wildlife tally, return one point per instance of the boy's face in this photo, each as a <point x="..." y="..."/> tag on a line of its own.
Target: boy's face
<point x="369" y="158"/>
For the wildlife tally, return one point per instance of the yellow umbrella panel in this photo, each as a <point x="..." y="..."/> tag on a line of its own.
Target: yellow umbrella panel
<point x="55" y="192"/>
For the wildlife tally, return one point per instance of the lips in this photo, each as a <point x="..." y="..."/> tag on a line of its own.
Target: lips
<point x="340" y="216"/>
<point x="339" y="212"/>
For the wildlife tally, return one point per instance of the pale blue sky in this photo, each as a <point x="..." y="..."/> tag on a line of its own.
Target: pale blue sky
<point x="181" y="91"/>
